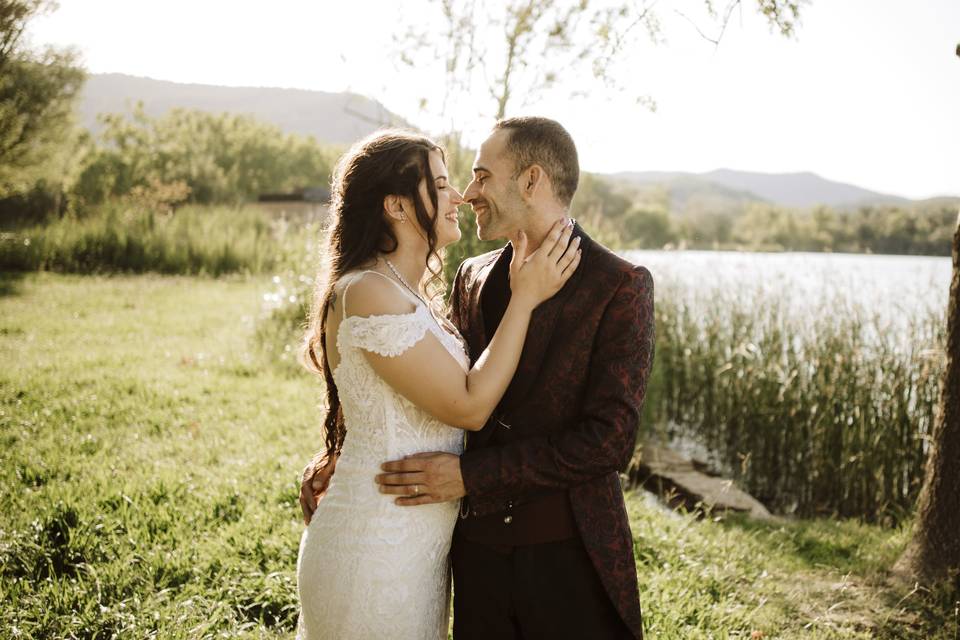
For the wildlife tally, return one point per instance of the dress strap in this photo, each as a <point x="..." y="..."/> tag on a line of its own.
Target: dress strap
<point x="351" y="277"/>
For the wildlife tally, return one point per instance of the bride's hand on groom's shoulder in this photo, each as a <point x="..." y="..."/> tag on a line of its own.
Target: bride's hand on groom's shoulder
<point x="314" y="482"/>
<point x="539" y="275"/>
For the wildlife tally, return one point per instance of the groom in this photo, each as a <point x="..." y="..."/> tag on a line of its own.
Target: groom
<point x="543" y="548"/>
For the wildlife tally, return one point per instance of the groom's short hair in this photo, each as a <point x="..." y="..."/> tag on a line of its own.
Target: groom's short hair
<point x="544" y="142"/>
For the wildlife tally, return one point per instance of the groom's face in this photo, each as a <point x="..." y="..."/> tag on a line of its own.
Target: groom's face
<point x="494" y="193"/>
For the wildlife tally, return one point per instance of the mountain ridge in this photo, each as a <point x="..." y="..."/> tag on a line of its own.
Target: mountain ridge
<point x="721" y="189"/>
<point x="333" y="118"/>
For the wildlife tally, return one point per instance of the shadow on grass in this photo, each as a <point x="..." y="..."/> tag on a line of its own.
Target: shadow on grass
<point x="928" y="613"/>
<point x="867" y="553"/>
<point x="10" y="282"/>
<point x="815" y="543"/>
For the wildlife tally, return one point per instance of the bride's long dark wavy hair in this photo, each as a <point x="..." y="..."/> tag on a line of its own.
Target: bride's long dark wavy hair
<point x="391" y="162"/>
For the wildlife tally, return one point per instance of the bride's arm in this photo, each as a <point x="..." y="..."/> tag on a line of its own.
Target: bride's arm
<point x="427" y="375"/>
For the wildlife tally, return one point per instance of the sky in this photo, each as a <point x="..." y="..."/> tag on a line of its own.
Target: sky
<point x="867" y="92"/>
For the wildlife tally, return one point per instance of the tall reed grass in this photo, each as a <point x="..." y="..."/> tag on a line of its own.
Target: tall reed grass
<point x="822" y="411"/>
<point x="193" y="240"/>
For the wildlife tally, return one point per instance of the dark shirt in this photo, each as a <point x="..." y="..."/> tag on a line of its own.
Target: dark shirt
<point x="495" y="298"/>
<point x="546" y="517"/>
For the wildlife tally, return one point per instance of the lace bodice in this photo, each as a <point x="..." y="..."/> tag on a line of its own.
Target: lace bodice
<point x="367" y="567"/>
<point x="382" y="424"/>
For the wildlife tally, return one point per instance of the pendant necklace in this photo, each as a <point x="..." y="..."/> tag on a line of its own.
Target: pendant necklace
<point x="404" y="282"/>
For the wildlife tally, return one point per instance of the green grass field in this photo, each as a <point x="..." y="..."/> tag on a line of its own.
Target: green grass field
<point x="148" y="479"/>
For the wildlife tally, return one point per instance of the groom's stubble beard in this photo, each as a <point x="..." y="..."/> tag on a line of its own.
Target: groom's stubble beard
<point x="502" y="221"/>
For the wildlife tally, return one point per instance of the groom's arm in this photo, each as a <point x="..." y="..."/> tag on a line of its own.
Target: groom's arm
<point x="605" y="436"/>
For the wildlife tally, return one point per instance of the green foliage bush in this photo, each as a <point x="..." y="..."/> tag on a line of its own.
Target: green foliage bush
<point x="907" y="230"/>
<point x="38" y="92"/>
<point x="628" y="219"/>
<point x="222" y="158"/>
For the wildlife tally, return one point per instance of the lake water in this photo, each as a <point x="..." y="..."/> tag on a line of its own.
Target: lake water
<point x="898" y="285"/>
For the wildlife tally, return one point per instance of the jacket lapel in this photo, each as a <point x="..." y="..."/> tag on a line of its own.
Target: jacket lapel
<point x="540" y="333"/>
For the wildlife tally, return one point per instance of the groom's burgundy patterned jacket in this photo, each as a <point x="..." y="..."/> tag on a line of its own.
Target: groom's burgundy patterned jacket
<point x="573" y="406"/>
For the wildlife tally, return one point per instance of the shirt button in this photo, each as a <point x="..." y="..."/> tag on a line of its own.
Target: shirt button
<point x="508" y="520"/>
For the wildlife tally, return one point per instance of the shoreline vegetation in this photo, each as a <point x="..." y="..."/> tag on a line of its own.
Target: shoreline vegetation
<point x="194" y="240"/>
<point x="132" y="236"/>
<point x="822" y="413"/>
<point x="150" y="485"/>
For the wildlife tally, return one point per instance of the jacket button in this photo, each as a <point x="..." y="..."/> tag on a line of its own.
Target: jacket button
<point x="508" y="520"/>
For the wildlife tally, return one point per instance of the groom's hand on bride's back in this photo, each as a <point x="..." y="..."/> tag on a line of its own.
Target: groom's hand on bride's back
<point x="423" y="478"/>
<point x="314" y="482"/>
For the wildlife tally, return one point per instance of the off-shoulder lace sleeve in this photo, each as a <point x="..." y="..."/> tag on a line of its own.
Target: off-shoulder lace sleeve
<point x="386" y="335"/>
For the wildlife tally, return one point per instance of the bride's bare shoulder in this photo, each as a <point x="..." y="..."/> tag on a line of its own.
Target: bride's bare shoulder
<point x="374" y="294"/>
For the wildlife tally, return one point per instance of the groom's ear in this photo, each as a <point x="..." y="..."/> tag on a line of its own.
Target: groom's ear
<point x="532" y="179"/>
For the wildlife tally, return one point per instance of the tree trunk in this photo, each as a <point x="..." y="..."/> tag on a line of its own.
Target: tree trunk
<point x="934" y="552"/>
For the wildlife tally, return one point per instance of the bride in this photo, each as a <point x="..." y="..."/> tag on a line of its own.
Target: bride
<point x="398" y="382"/>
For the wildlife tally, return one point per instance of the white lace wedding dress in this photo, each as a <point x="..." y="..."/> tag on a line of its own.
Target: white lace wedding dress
<point x="367" y="568"/>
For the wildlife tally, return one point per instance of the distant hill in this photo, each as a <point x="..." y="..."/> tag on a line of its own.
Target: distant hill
<point x="336" y="118"/>
<point x="800" y="189"/>
<point x="726" y="190"/>
<point x="685" y="191"/>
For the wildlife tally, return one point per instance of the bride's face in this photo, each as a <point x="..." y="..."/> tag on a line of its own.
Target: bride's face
<point x="448" y="199"/>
